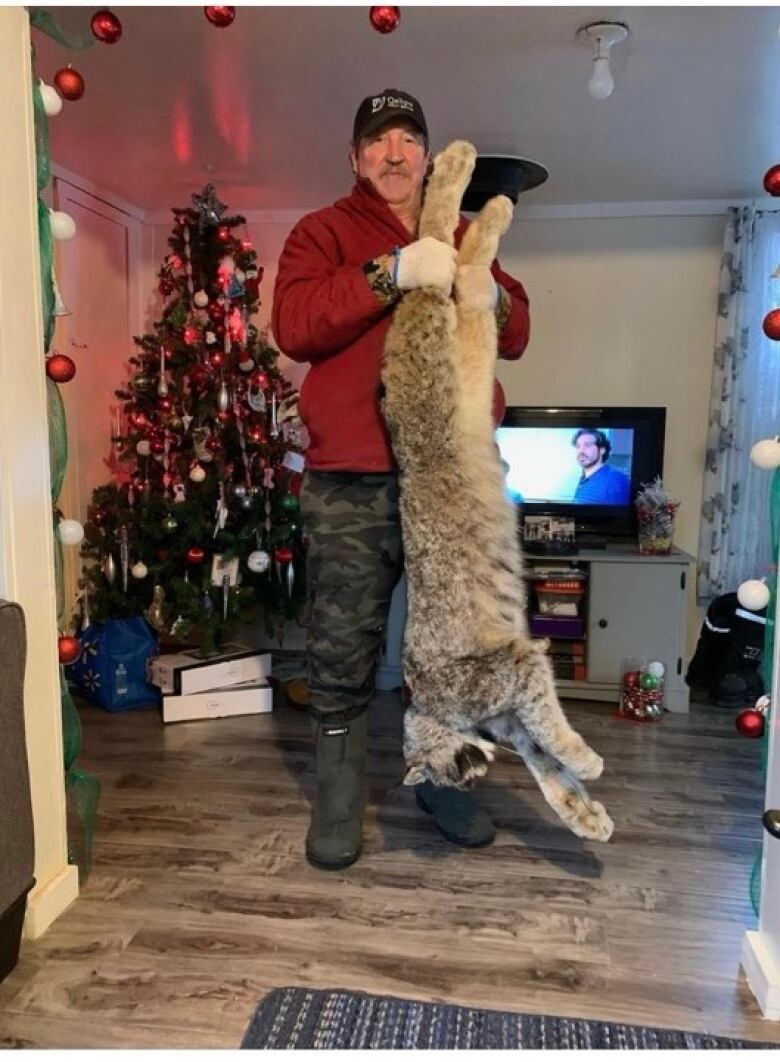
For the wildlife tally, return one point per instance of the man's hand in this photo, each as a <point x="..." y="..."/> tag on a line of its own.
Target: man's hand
<point x="475" y="287"/>
<point x="427" y="263"/>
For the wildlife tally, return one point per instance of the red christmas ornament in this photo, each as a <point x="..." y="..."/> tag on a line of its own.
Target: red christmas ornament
<point x="195" y="555"/>
<point x="219" y="330"/>
<point x="217" y="358"/>
<point x="68" y="649"/>
<point x="158" y="446"/>
<point x="750" y="723"/>
<point x="213" y="444"/>
<point x="224" y="415"/>
<point x="200" y="377"/>
<point x="176" y="261"/>
<point x="631" y="679"/>
<point x="165" y="404"/>
<point x="772" y="180"/>
<point x="70" y="84"/>
<point x="260" y="379"/>
<point x="224" y="233"/>
<point x="256" y="434"/>
<point x="191" y="335"/>
<point x="216" y="311"/>
<point x="283" y="554"/>
<point x="385" y="19"/>
<point x="771" y="324"/>
<point x="106" y="26"/>
<point x="220" y="16"/>
<point x="246" y="245"/>
<point x="138" y="419"/>
<point x="60" y="368"/>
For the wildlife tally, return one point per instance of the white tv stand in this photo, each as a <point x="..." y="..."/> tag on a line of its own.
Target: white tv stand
<point x="635" y="605"/>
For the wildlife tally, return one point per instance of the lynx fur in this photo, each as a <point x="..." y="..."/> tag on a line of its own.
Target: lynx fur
<point x="477" y="678"/>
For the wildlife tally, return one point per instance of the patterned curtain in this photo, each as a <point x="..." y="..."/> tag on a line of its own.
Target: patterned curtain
<point x="734" y="539"/>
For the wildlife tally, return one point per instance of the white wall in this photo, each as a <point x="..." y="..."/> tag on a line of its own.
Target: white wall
<point x="26" y="536"/>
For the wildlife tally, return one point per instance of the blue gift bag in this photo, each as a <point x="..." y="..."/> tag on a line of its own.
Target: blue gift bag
<point x="111" y="670"/>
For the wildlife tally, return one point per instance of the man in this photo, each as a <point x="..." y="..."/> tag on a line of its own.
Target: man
<point x="600" y="484"/>
<point x="342" y="271"/>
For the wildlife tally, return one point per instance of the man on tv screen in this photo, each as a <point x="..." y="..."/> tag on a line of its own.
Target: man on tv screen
<point x="600" y="484"/>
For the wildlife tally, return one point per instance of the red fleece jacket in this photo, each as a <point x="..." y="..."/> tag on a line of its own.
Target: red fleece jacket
<point x="324" y="312"/>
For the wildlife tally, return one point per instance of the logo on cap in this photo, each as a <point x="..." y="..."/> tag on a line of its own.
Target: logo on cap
<point x="378" y="103"/>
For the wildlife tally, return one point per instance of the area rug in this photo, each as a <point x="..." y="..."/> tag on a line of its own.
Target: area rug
<point x="304" y="1018"/>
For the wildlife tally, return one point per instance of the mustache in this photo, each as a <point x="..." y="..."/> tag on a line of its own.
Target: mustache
<point x="394" y="169"/>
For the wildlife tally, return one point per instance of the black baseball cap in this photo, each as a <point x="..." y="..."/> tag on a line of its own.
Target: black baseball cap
<point x="374" y="111"/>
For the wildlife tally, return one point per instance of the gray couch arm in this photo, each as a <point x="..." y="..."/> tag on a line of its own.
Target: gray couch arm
<point x="17" y="854"/>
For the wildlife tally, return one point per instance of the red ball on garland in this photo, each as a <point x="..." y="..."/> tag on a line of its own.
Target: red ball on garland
<point x="195" y="555"/>
<point x="158" y="446"/>
<point x="68" y="649"/>
<point x="385" y="19"/>
<point x="106" y="26"/>
<point x="191" y="335"/>
<point x="60" y="368"/>
<point x="217" y="358"/>
<point x="260" y="379"/>
<point x="283" y="554"/>
<point x="220" y="16"/>
<point x="771" y="324"/>
<point x="216" y="311"/>
<point x="750" y="723"/>
<point x="70" y="84"/>
<point x="165" y="403"/>
<point x="256" y="434"/>
<point x="772" y="180"/>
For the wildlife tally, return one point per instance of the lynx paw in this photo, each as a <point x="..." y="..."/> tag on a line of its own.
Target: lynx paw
<point x="454" y="165"/>
<point x="592" y="822"/>
<point x="496" y="215"/>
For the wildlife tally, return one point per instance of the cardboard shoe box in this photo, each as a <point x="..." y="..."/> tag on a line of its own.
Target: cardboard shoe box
<point x="196" y="671"/>
<point x="252" y="698"/>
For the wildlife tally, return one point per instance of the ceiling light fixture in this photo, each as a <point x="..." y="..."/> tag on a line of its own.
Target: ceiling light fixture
<point x="602" y="36"/>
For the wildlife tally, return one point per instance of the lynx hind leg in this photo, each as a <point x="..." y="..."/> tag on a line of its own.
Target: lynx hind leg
<point x="480" y="241"/>
<point x="452" y="169"/>
<point x="565" y="794"/>
<point x="540" y="712"/>
<point x="436" y="753"/>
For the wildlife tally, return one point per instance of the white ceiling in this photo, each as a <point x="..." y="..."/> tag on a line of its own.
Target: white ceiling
<point x="265" y="107"/>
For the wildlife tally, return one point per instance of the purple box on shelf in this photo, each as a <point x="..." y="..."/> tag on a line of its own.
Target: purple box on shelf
<point x="557" y="626"/>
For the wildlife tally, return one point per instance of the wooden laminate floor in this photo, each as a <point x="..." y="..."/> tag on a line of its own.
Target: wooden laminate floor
<point x="200" y="900"/>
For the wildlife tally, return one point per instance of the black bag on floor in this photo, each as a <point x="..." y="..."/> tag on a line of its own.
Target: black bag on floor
<point x="727" y="661"/>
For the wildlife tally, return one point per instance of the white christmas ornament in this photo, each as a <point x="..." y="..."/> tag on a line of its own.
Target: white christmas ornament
<point x="258" y="561"/>
<point x="201" y="299"/>
<point x="210" y="338"/>
<point x="656" y="669"/>
<point x="753" y="595"/>
<point x="52" y="101"/>
<point x="71" y="532"/>
<point x="63" y="227"/>
<point x="197" y="474"/>
<point x="143" y="448"/>
<point x="139" y="570"/>
<point x="766" y="454"/>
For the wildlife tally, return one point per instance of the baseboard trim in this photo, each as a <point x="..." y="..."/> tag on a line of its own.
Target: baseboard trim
<point x="47" y="902"/>
<point x="762" y="973"/>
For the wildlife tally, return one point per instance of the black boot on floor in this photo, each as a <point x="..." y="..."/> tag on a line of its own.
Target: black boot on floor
<point x="457" y="814"/>
<point x="335" y="836"/>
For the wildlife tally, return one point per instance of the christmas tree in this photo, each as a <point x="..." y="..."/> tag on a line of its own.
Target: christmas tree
<point x="201" y="524"/>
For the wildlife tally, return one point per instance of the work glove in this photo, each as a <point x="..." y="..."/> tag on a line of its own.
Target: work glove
<point x="427" y="263"/>
<point x="475" y="287"/>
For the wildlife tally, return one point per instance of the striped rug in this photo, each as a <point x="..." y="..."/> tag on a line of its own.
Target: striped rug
<point x="328" y="1019"/>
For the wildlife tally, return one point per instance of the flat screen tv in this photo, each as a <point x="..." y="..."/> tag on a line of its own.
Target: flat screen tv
<point x="586" y="463"/>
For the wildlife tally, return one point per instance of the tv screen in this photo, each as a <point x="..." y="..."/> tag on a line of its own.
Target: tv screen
<point x="585" y="463"/>
<point x="567" y="464"/>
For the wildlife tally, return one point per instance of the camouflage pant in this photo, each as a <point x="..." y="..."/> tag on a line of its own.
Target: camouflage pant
<point x="355" y="559"/>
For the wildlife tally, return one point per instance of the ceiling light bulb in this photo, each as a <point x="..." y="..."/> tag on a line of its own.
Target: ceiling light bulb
<point x="601" y="81"/>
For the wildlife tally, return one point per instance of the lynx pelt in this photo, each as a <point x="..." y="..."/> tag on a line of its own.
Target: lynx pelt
<point x="477" y="678"/>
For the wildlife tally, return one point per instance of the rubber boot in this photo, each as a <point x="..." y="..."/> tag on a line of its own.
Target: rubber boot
<point x="335" y="836"/>
<point x="457" y="814"/>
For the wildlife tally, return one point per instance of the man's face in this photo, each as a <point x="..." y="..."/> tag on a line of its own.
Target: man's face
<point x="588" y="451"/>
<point x="394" y="159"/>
